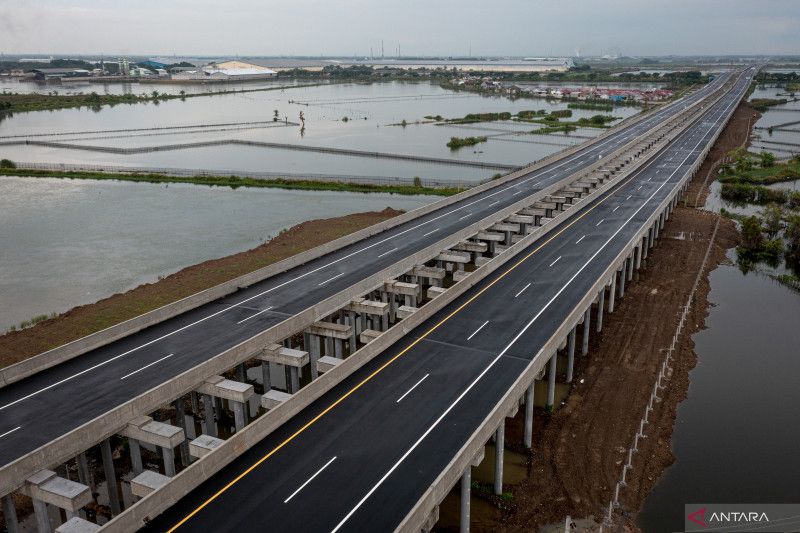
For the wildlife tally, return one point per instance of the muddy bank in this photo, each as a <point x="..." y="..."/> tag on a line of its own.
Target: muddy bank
<point x="580" y="449"/>
<point x="86" y="319"/>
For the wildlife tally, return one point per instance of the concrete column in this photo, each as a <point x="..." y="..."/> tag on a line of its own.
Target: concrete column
<point x="208" y="408"/>
<point x="337" y="347"/>
<point x="500" y="444"/>
<point x="645" y="245"/>
<point x="294" y="379"/>
<point x="384" y="317"/>
<point x="111" y="476"/>
<point x="571" y="353"/>
<point x="601" y="302"/>
<point x="84" y="475"/>
<point x="241" y="373"/>
<point x="587" y="323"/>
<point x="10" y="512"/>
<point x="466" y="485"/>
<point x="353" y="334"/>
<point x="638" y="254"/>
<point x="611" y="292"/>
<point x="629" y="263"/>
<point x="528" y="436"/>
<point x="551" y="380"/>
<point x="622" y="281"/>
<point x="168" y="454"/>
<point x="180" y="421"/>
<point x="265" y="376"/>
<point x="238" y="415"/>
<point x="42" y="516"/>
<point x="650" y="237"/>
<point x="136" y="456"/>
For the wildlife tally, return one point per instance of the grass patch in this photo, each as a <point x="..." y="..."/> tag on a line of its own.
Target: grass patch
<point x="459" y="142"/>
<point x="237" y="181"/>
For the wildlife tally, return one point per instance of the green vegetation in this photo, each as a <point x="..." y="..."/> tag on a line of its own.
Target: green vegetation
<point x="743" y="180"/>
<point x="459" y="142"/>
<point x="21" y="103"/>
<point x="237" y="181"/>
<point x="762" y="104"/>
<point x="590" y="106"/>
<point x="561" y="128"/>
<point x="32" y="322"/>
<point x="472" y="118"/>
<point x="7" y="163"/>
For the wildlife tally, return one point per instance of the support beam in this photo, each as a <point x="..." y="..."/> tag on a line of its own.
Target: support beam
<point x="528" y="436"/>
<point x="587" y="319"/>
<point x="551" y="380"/>
<point x="571" y="353"/>
<point x="601" y="301"/>
<point x="500" y="443"/>
<point x="111" y="476"/>
<point x="466" y="491"/>
<point x="10" y="514"/>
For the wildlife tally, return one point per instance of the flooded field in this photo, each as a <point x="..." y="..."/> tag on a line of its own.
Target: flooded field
<point x="71" y="242"/>
<point x="778" y="129"/>
<point x="349" y="116"/>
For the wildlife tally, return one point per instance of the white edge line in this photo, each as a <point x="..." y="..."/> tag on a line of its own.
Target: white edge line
<point x="340" y="274"/>
<point x="387" y="252"/>
<point x="9" y="432"/>
<point x="412" y="388"/>
<point x="146" y="366"/>
<point x="309" y="480"/>
<point x="501" y="354"/>
<point x="477" y="330"/>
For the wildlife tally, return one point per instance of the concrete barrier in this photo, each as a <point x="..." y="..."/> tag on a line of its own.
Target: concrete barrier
<point x="88" y="434"/>
<point x="58" y="355"/>
<point x="461" y="461"/>
<point x="191" y="477"/>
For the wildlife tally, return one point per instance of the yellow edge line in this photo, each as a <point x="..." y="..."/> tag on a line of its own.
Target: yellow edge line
<point x="386" y="364"/>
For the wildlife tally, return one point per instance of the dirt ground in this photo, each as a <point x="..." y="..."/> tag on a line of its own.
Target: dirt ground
<point x="580" y="449"/>
<point x="86" y="319"/>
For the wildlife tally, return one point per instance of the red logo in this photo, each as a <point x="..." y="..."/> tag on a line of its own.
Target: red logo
<point x="699" y="517"/>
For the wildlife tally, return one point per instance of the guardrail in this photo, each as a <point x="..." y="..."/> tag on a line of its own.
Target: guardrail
<point x="462" y="460"/>
<point x="240" y="442"/>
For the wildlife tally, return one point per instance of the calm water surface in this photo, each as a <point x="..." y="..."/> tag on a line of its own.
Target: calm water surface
<point x="69" y="242"/>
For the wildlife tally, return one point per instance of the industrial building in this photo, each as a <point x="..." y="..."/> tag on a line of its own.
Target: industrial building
<point x="227" y="71"/>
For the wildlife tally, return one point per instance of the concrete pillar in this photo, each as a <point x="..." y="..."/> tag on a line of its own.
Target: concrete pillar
<point x="528" y="436"/>
<point x="111" y="476"/>
<point x="601" y="302"/>
<point x="611" y="292"/>
<point x="629" y="263"/>
<point x="466" y="485"/>
<point x="622" y="281"/>
<point x="10" y="513"/>
<point x="238" y="415"/>
<point x="294" y="378"/>
<point x="637" y="252"/>
<point x="208" y="408"/>
<point x="84" y="475"/>
<point x="180" y="421"/>
<point x="265" y="378"/>
<point x="500" y="443"/>
<point x="241" y="373"/>
<point x="136" y="456"/>
<point x="353" y="333"/>
<point x="571" y="353"/>
<point x="551" y="380"/>
<point x="168" y="454"/>
<point x="587" y="319"/>
<point x="385" y="316"/>
<point x="652" y="234"/>
<point x="42" y="516"/>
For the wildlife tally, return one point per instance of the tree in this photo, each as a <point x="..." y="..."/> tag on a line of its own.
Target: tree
<point x="155" y="95"/>
<point x="793" y="237"/>
<point x="751" y="233"/>
<point x="275" y="115"/>
<point x="767" y="159"/>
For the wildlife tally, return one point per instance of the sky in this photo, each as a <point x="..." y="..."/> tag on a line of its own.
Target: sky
<point x="419" y="27"/>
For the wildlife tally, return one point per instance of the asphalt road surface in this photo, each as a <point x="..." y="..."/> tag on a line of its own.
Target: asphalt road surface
<point x="359" y="458"/>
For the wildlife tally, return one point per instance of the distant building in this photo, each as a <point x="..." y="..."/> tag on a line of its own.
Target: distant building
<point x="227" y="71"/>
<point x="152" y="65"/>
<point x="46" y="74"/>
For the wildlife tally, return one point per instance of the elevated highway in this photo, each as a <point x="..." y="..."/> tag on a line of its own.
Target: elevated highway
<point x="382" y="449"/>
